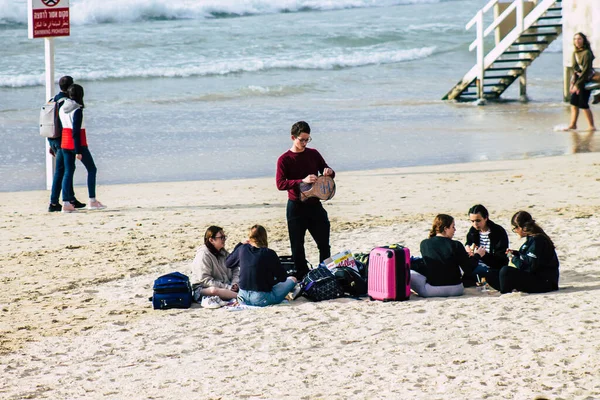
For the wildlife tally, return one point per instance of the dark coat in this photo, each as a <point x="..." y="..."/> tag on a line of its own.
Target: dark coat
<point x="496" y="258"/>
<point x="538" y="257"/>
<point x="444" y="258"/>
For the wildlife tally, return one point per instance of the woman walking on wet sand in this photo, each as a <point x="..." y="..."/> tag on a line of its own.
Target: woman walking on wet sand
<point x="582" y="73"/>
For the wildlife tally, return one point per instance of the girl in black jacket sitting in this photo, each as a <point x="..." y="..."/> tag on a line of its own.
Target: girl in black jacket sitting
<point x="492" y="237"/>
<point x="441" y="275"/>
<point x="537" y="266"/>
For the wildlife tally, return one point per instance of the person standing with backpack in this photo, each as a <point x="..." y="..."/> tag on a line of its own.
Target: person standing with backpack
<point x="56" y="151"/>
<point x="74" y="146"/>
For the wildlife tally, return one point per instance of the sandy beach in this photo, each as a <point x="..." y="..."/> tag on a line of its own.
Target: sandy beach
<point x="76" y="323"/>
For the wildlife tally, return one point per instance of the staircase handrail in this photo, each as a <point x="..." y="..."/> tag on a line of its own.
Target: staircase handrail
<point x="522" y="24"/>
<point x="516" y="4"/>
<point x="484" y="61"/>
<point x="485" y="9"/>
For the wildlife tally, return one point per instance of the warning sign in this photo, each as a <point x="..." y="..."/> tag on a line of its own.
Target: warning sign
<point x="48" y="18"/>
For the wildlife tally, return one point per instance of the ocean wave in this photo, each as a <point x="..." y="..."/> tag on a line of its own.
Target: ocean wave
<point x="315" y="62"/>
<point x="85" y="12"/>
<point x="11" y="14"/>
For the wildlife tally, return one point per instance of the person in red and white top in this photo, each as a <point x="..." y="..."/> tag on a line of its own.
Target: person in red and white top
<point x="74" y="145"/>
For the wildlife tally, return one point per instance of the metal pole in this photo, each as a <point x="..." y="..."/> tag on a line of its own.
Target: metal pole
<point x="480" y="55"/>
<point x="49" y="52"/>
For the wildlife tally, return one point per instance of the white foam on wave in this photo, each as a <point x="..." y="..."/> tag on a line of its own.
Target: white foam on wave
<point x="315" y="62"/>
<point x="11" y="13"/>
<point x="24" y="80"/>
<point x="110" y="11"/>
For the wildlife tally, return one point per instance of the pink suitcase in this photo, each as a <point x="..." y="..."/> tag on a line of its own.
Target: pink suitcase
<point x="389" y="273"/>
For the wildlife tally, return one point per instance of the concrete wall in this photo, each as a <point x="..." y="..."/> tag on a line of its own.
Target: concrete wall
<point x="579" y="16"/>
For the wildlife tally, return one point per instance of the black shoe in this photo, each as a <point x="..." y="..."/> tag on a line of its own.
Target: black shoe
<point x="55" y="207"/>
<point x="77" y="204"/>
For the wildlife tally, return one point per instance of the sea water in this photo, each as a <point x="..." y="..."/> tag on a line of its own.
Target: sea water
<point x="208" y="89"/>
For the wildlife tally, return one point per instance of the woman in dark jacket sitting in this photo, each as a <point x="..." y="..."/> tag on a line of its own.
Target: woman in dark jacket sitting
<point x="536" y="262"/>
<point x="492" y="237"/>
<point x="440" y="275"/>
<point x="263" y="280"/>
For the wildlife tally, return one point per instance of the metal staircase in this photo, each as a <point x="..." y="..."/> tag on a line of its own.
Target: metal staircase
<point x="495" y="71"/>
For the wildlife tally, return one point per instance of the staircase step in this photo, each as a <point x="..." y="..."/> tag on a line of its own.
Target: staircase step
<point x="529" y="35"/>
<point x="530" y="43"/>
<point x="505" y="69"/>
<point x="515" y="60"/>
<point x="546" y="26"/>
<point x="473" y="85"/>
<point x="550" y="17"/>
<point x="501" y="77"/>
<point x="521" y="51"/>
<point x="555" y="9"/>
<point x="475" y="94"/>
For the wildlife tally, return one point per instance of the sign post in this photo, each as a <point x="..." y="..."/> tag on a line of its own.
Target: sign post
<point x="48" y="19"/>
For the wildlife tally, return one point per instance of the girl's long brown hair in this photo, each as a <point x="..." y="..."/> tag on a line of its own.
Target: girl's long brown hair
<point x="524" y="220"/>
<point x="258" y="235"/>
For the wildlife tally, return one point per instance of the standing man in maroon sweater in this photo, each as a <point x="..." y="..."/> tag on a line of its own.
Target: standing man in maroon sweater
<point x="301" y="164"/>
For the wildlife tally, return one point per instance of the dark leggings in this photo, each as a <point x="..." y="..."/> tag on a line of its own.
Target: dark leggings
<point x="508" y="279"/>
<point x="87" y="160"/>
<point x="300" y="218"/>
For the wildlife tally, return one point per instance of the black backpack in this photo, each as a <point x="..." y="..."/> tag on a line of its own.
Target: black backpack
<point x="350" y="281"/>
<point x="320" y="284"/>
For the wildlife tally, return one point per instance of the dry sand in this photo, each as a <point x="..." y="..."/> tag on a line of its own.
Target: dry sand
<point x="75" y="320"/>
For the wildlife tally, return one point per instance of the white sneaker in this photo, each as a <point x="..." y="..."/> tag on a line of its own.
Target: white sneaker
<point x="68" y="208"/>
<point x="96" y="205"/>
<point x="222" y="302"/>
<point x="211" y="302"/>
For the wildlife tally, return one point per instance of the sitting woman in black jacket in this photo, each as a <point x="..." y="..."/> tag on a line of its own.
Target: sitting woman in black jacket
<point x="537" y="266"/>
<point x="492" y="237"/>
<point x="441" y="275"/>
<point x="263" y="280"/>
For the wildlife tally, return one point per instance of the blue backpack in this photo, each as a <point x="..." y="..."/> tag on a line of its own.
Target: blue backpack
<point x="172" y="291"/>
